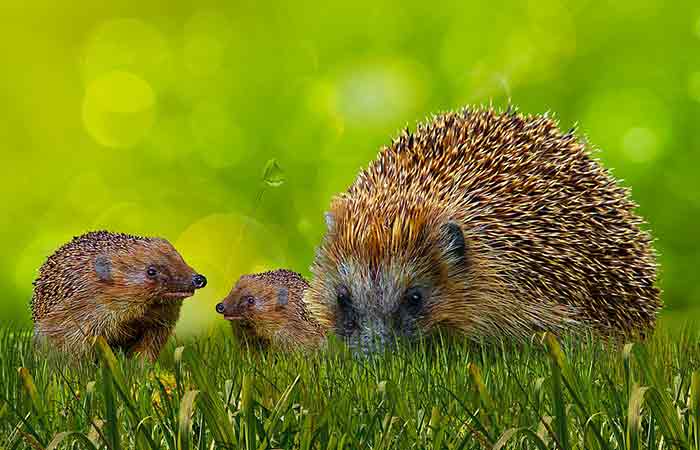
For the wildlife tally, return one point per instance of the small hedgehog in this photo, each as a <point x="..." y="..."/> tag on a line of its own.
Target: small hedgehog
<point x="270" y="308"/>
<point x="128" y="289"/>
<point x="491" y="224"/>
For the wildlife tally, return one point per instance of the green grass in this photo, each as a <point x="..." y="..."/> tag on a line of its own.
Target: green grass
<point x="215" y="393"/>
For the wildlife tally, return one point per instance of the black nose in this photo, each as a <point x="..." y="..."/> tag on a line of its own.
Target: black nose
<point x="199" y="281"/>
<point x="220" y="308"/>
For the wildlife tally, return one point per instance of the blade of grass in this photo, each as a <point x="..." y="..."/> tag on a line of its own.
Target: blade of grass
<point x="479" y="432"/>
<point x="215" y="416"/>
<point x="248" y="413"/>
<point x="30" y="388"/>
<point x="114" y="380"/>
<point x="513" y="432"/>
<point x="277" y="412"/>
<point x="485" y="399"/>
<point x="667" y="418"/>
<point x="184" y="432"/>
<point x="634" y="418"/>
<point x="660" y="406"/>
<point x="59" y="438"/>
<point x="436" y="427"/>
<point x="213" y="411"/>
<point x="112" y="422"/>
<point x="566" y="374"/>
<point x="695" y="406"/>
<point x="37" y="404"/>
<point x="559" y="407"/>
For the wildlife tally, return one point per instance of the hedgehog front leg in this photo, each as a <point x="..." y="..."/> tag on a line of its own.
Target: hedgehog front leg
<point x="152" y="342"/>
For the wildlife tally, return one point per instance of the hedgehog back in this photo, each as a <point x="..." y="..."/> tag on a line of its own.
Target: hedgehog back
<point x="563" y="227"/>
<point x="66" y="272"/>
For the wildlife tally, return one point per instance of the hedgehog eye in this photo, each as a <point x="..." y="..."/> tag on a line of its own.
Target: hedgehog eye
<point x="414" y="298"/>
<point x="343" y="295"/>
<point x="151" y="272"/>
<point x="249" y="299"/>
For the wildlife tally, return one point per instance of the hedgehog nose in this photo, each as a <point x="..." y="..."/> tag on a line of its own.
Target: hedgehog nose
<point x="199" y="281"/>
<point x="220" y="308"/>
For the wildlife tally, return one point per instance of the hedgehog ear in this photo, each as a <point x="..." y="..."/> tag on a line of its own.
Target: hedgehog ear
<point x="454" y="245"/>
<point x="103" y="267"/>
<point x="282" y="297"/>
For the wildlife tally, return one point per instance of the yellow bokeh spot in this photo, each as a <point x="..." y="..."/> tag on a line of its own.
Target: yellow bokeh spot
<point x="532" y="44"/>
<point x="640" y="144"/>
<point x="207" y="34"/>
<point x="223" y="247"/>
<point x="118" y="109"/>
<point x="130" y="45"/>
<point x="379" y="93"/>
<point x="636" y="124"/>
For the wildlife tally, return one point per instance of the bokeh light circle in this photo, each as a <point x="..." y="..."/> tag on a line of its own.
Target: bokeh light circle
<point x="223" y="247"/>
<point x="129" y="45"/>
<point x="628" y="124"/>
<point x="640" y="144"/>
<point x="533" y="43"/>
<point x="378" y="93"/>
<point x="118" y="109"/>
<point x="207" y="35"/>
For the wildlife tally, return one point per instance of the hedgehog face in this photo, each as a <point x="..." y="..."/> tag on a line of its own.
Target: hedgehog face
<point x="394" y="289"/>
<point x="372" y="309"/>
<point x="257" y="305"/>
<point x="147" y="271"/>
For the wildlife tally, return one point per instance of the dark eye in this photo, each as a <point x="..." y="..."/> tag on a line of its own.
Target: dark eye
<point x="249" y="299"/>
<point x="151" y="272"/>
<point x="414" y="299"/>
<point x="343" y="295"/>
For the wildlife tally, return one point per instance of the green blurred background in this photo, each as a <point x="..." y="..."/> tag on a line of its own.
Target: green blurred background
<point x="158" y="118"/>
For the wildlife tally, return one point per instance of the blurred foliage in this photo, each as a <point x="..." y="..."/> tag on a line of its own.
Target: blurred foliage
<point x="161" y="118"/>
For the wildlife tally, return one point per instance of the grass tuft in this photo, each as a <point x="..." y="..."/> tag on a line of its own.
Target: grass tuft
<point x="443" y="393"/>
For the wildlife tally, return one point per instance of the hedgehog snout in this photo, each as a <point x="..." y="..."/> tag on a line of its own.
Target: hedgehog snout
<point x="199" y="281"/>
<point x="228" y="309"/>
<point x="374" y="336"/>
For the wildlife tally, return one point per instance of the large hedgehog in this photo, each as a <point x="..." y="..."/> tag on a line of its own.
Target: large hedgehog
<point x="128" y="289"/>
<point x="492" y="224"/>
